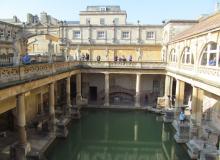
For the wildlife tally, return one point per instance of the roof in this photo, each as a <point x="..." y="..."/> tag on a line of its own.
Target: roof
<point x="204" y="25"/>
<point x="180" y="21"/>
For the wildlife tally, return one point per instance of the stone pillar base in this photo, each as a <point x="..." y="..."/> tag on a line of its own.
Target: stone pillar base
<point x="106" y="104"/>
<point x="68" y="110"/>
<point x="81" y="101"/>
<point x="137" y="105"/>
<point x="19" y="152"/>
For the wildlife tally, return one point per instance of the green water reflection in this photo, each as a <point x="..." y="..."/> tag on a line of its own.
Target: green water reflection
<point x="111" y="135"/>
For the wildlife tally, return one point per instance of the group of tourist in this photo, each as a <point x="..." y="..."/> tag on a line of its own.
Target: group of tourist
<point x="122" y="59"/>
<point x="84" y="57"/>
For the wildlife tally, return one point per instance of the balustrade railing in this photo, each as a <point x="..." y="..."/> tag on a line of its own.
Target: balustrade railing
<point x="6" y="60"/>
<point x="210" y="71"/>
<point x="126" y="64"/>
<point x="36" y="71"/>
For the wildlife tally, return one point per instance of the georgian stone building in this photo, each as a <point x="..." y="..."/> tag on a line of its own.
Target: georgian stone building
<point x="179" y="59"/>
<point x="8" y="33"/>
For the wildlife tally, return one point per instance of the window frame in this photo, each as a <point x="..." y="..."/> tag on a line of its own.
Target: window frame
<point x="125" y="37"/>
<point x="187" y="56"/>
<point x="74" y="34"/>
<point x="102" y="21"/>
<point x="151" y="37"/>
<point x="208" y="55"/>
<point x="101" y="37"/>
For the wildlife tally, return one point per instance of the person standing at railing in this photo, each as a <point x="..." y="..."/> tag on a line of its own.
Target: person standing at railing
<point x="26" y="59"/>
<point x="130" y="58"/>
<point x="123" y="58"/>
<point x="116" y="58"/>
<point x="87" y="57"/>
<point x="98" y="58"/>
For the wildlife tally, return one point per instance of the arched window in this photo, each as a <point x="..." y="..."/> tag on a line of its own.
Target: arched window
<point x="187" y="56"/>
<point x="173" y="56"/>
<point x="210" y="55"/>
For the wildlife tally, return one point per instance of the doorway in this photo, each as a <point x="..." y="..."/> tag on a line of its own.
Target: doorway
<point x="93" y="93"/>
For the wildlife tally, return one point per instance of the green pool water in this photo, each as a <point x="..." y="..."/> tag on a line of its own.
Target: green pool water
<point x="118" y="135"/>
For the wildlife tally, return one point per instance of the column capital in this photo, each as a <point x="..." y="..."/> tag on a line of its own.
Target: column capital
<point x="68" y="77"/>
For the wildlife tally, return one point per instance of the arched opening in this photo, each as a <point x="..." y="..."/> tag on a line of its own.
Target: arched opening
<point x="210" y="55"/>
<point x="173" y="56"/>
<point x="187" y="56"/>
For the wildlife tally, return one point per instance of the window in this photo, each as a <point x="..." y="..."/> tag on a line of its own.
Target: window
<point x="187" y="57"/>
<point x="173" y="56"/>
<point x="76" y="34"/>
<point x="8" y="34"/>
<point x="102" y="9"/>
<point x="125" y="35"/>
<point x="1" y="33"/>
<point x="150" y="35"/>
<point x="100" y="35"/>
<point x="210" y="55"/>
<point x="102" y="21"/>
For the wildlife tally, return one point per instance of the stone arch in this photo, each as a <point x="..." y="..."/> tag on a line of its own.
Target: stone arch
<point x="208" y="52"/>
<point x="172" y="56"/>
<point x="188" y="59"/>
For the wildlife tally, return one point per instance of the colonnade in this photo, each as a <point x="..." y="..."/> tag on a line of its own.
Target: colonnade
<point x="22" y="145"/>
<point x="196" y="104"/>
<point x="137" y="90"/>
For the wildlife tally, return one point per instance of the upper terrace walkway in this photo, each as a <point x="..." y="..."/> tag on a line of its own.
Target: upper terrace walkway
<point x="200" y="77"/>
<point x="18" y="74"/>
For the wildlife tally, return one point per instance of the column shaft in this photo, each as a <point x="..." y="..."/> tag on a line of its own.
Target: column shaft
<point x="51" y="106"/>
<point x="137" y="96"/>
<point x="41" y="102"/>
<point x="21" y="121"/>
<point x="180" y="86"/>
<point x="78" y="85"/>
<point x="167" y="86"/>
<point x="68" y="101"/>
<point x="106" y="89"/>
<point x="197" y="99"/>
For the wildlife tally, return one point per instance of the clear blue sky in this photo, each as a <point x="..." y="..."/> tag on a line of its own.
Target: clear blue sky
<point x="147" y="11"/>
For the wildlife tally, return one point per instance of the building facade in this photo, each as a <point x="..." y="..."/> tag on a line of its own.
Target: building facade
<point x="110" y="62"/>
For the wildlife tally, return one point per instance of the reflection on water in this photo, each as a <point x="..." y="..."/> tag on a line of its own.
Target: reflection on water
<point x="109" y="135"/>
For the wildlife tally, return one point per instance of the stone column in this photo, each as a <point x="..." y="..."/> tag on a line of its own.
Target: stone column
<point x="22" y="147"/>
<point x="196" y="115"/>
<point x="167" y="93"/>
<point x="68" y="101"/>
<point x="137" y="95"/>
<point x="78" y="88"/>
<point x="180" y="86"/>
<point x="106" y="89"/>
<point x="41" y="103"/>
<point x="167" y="86"/>
<point x="52" y="108"/>
<point x="21" y="120"/>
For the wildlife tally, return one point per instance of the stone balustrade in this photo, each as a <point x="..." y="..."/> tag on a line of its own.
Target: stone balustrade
<point x="36" y="71"/>
<point x="208" y="73"/>
<point x="126" y="64"/>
